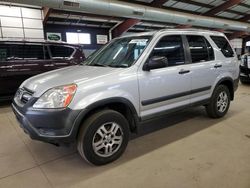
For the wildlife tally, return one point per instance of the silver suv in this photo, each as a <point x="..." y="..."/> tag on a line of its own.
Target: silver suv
<point x="130" y="80"/>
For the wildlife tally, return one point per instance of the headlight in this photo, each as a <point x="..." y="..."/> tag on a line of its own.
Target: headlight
<point x="58" y="97"/>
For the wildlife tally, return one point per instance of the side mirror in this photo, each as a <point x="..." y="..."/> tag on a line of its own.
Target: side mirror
<point x="155" y="62"/>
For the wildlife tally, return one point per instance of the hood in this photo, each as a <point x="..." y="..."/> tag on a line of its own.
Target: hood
<point x="74" y="74"/>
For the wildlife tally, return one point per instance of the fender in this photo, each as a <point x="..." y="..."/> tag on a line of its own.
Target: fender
<point x="224" y="79"/>
<point x="112" y="100"/>
<point x="234" y="86"/>
<point x="101" y="103"/>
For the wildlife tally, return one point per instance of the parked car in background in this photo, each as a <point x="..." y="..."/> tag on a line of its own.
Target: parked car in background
<point x="21" y="59"/>
<point x="245" y="68"/>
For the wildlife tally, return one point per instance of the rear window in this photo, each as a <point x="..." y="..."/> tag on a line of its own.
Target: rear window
<point x="224" y="46"/>
<point x="61" y="51"/>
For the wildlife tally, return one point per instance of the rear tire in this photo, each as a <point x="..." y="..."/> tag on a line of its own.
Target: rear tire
<point x="103" y="137"/>
<point x="219" y="103"/>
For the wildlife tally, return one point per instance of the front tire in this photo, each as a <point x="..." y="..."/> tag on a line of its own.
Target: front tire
<point x="103" y="137"/>
<point x="219" y="103"/>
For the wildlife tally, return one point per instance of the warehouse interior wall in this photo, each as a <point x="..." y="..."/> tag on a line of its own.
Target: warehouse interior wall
<point x="21" y="22"/>
<point x="94" y="32"/>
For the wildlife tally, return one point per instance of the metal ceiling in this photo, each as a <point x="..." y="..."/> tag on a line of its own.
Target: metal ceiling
<point x="87" y="14"/>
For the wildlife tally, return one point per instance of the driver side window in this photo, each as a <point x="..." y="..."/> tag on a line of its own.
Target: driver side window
<point x="170" y="47"/>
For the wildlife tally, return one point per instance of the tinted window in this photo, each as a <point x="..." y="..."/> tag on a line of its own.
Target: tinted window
<point x="200" y="49"/>
<point x="20" y="52"/>
<point x="224" y="46"/>
<point x="170" y="47"/>
<point x="61" y="51"/>
<point x="31" y="51"/>
<point x="5" y="52"/>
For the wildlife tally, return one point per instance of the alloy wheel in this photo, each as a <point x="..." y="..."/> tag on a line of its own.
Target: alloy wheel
<point x="222" y="102"/>
<point x="108" y="139"/>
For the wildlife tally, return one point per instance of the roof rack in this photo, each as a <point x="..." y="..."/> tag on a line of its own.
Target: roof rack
<point x="33" y="41"/>
<point x="190" y="29"/>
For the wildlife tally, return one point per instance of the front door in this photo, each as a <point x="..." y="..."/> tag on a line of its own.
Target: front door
<point x="165" y="88"/>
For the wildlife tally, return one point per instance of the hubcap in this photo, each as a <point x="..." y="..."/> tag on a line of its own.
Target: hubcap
<point x="222" y="102"/>
<point x="108" y="139"/>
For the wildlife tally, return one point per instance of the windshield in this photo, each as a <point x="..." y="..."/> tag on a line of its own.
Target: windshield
<point x="121" y="52"/>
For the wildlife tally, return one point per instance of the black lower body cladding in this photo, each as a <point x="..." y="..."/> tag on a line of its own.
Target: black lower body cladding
<point x="56" y="126"/>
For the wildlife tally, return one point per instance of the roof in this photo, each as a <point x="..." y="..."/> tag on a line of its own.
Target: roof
<point x="177" y="31"/>
<point x="34" y="41"/>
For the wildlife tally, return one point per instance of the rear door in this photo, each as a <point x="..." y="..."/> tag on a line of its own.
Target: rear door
<point x="33" y="55"/>
<point x="62" y="56"/>
<point x="203" y="67"/>
<point x="226" y="56"/>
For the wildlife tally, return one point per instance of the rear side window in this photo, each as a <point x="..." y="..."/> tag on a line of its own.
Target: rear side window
<point x="224" y="46"/>
<point x="170" y="47"/>
<point x="61" y="51"/>
<point x="30" y="51"/>
<point x="200" y="49"/>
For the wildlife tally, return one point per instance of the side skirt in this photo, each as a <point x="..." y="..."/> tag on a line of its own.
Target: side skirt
<point x="170" y="111"/>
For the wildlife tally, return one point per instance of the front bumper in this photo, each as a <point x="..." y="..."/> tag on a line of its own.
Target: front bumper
<point x="57" y="126"/>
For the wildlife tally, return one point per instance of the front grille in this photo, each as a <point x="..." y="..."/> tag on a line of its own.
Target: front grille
<point x="23" y="95"/>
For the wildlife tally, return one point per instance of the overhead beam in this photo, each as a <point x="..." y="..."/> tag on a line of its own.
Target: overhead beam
<point x="158" y="3"/>
<point x="224" y="6"/>
<point x="124" y="26"/>
<point x="210" y="6"/>
<point x="130" y="22"/>
<point x="46" y="12"/>
<point x="219" y="30"/>
<point x="238" y="34"/>
<point x="245" y="18"/>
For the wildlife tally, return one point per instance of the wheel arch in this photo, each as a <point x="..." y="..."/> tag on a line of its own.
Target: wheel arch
<point x="119" y="104"/>
<point x="229" y="83"/>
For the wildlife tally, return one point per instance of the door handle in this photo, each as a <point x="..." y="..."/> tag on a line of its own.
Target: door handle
<point x="183" y="71"/>
<point x="217" y="66"/>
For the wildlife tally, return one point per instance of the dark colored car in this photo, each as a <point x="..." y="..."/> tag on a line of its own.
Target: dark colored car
<point x="21" y="59"/>
<point x="245" y="69"/>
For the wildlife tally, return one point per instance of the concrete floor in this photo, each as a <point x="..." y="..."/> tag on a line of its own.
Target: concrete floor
<point x="189" y="150"/>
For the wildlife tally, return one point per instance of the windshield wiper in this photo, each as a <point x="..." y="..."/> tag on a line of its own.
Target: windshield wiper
<point x="98" y="65"/>
<point x="119" y="66"/>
